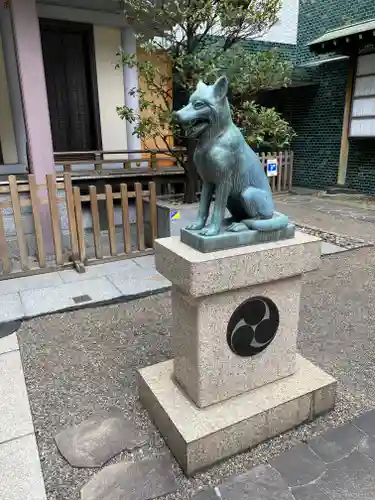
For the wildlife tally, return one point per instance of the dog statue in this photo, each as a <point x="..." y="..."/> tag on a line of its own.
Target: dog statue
<point x="229" y="168"/>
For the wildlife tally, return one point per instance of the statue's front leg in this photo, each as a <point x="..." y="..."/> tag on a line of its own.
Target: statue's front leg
<point x="204" y="207"/>
<point x="221" y="199"/>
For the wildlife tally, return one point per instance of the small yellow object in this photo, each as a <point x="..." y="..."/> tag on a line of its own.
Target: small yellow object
<point x="175" y="214"/>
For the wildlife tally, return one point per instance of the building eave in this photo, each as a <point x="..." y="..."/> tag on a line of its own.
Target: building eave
<point x="343" y="39"/>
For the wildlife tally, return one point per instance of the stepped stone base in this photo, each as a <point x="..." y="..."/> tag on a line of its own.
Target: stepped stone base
<point x="200" y="437"/>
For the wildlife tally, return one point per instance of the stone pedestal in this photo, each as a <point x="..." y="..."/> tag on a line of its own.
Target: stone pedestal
<point x="236" y="378"/>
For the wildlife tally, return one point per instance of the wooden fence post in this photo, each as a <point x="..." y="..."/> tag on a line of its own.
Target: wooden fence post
<point x="35" y="207"/>
<point x="18" y="221"/>
<point x="140" y="224"/>
<point x="110" y="219"/>
<point x="125" y="219"/>
<point x="79" y="223"/>
<point x="55" y="218"/>
<point x="95" y="222"/>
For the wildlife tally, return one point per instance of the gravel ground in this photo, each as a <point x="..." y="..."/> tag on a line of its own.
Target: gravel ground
<point x="336" y="239"/>
<point x="81" y="361"/>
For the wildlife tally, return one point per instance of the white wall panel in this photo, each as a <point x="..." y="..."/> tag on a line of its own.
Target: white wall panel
<point x="362" y="128"/>
<point x="110" y="87"/>
<point x="364" y="107"/>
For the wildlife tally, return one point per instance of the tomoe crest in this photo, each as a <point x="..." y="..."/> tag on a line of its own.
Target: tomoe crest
<point x="253" y="326"/>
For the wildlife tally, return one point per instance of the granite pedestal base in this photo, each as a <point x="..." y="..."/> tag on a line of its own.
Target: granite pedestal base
<point x="236" y="378"/>
<point x="199" y="437"/>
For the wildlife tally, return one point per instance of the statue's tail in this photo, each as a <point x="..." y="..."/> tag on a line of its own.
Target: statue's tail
<point x="278" y="221"/>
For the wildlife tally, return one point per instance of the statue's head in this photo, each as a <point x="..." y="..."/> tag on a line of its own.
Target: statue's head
<point x="207" y="107"/>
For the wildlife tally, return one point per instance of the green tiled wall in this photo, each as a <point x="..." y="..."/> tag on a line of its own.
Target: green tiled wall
<point x="316" y="113"/>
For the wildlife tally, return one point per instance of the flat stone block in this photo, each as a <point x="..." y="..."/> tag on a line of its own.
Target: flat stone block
<point x="15" y="416"/>
<point x="226" y="240"/>
<point x="351" y="478"/>
<point x="199" y="274"/>
<point x="205" y="365"/>
<point x="20" y="472"/>
<point x="144" y="281"/>
<point x="11" y="307"/>
<point x="93" y="442"/>
<point x="142" y="480"/>
<point x="299" y="466"/>
<point x="200" y="437"/>
<point x="309" y="492"/>
<point x="330" y="248"/>
<point x="337" y="443"/>
<point x="46" y="300"/>
<point x="100" y="271"/>
<point x="366" y="422"/>
<point x="30" y="282"/>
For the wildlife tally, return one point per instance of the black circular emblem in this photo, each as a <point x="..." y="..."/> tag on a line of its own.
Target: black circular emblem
<point x="253" y="326"/>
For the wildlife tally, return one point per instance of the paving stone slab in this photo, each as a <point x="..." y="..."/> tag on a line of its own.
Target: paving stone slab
<point x="46" y="300"/>
<point x="100" y="271"/>
<point x="143" y="480"/>
<point x="20" y="472"/>
<point x="9" y="327"/>
<point x="15" y="416"/>
<point x="8" y="343"/>
<point x="93" y="442"/>
<point x="146" y="262"/>
<point x="330" y="248"/>
<point x="367" y="447"/>
<point x="366" y="422"/>
<point x="11" y="307"/>
<point x="30" y="282"/>
<point x="260" y="483"/>
<point x="145" y="281"/>
<point x="212" y="494"/>
<point x="352" y="478"/>
<point x="299" y="466"/>
<point x="336" y="443"/>
<point x="310" y="492"/>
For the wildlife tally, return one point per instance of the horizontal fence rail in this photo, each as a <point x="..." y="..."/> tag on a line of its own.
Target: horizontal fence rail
<point x="121" y="159"/>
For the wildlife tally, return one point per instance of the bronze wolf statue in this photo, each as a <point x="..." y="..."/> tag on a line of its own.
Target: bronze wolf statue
<point x="229" y="168"/>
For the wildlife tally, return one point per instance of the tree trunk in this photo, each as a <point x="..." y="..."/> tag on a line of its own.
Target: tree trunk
<point x="191" y="175"/>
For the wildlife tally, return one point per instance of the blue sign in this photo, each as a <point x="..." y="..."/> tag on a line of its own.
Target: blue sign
<point x="271" y="168"/>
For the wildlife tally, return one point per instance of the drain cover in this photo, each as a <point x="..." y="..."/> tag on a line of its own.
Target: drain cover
<point x="82" y="298"/>
<point x="9" y="328"/>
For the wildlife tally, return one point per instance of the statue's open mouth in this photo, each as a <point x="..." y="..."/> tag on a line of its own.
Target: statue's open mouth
<point x="197" y="127"/>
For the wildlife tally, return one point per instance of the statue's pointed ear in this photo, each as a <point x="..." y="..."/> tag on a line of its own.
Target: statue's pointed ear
<point x="221" y="87"/>
<point x="201" y="85"/>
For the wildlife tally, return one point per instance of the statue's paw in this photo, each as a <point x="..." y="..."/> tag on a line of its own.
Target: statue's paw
<point x="210" y="231"/>
<point x="195" y="226"/>
<point x="237" y="227"/>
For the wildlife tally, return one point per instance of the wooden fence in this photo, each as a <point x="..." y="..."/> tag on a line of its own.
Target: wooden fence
<point x="161" y="160"/>
<point x="102" y="161"/>
<point x="44" y="227"/>
<point x="283" y="181"/>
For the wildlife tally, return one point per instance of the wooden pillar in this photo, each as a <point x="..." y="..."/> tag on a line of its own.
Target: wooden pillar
<point x="28" y="48"/>
<point x="33" y="87"/>
<point x="344" y="149"/>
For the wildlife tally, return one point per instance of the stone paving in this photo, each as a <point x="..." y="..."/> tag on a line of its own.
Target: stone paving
<point x="337" y="465"/>
<point x="57" y="291"/>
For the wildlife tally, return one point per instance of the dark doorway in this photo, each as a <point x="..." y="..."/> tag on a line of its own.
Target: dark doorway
<point x="68" y="52"/>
